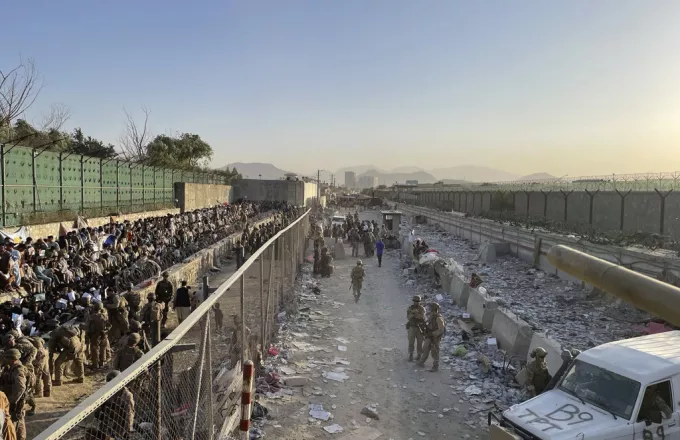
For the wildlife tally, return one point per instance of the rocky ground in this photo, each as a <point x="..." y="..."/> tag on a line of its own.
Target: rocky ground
<point x="347" y="363"/>
<point x="565" y="310"/>
<point x="353" y="361"/>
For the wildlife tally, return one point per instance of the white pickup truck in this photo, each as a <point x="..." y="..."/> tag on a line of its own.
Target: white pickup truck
<point x="627" y="389"/>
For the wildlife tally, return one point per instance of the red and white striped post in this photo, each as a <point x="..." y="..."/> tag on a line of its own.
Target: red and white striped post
<point x="246" y="399"/>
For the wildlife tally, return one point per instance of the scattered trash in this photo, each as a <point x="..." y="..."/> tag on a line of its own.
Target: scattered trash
<point x="333" y="429"/>
<point x="342" y="348"/>
<point x="336" y="376"/>
<point x="317" y="412"/>
<point x="473" y="390"/>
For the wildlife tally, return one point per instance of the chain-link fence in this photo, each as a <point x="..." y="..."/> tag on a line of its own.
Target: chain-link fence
<point x="189" y="385"/>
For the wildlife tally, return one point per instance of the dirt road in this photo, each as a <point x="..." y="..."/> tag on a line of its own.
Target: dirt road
<point x="411" y="402"/>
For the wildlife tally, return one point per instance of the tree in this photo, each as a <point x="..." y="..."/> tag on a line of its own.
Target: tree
<point x="89" y="146"/>
<point x="187" y="151"/>
<point x="134" y="141"/>
<point x="19" y="88"/>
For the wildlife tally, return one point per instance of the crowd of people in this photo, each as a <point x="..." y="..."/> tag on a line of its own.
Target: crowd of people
<point x="77" y="296"/>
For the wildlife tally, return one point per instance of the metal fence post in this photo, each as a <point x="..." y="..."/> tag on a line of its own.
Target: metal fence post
<point x="211" y="414"/>
<point x="117" y="187"/>
<point x="243" y="318"/>
<point x="270" y="283"/>
<point x="246" y="400"/>
<point x="35" y="183"/>
<point x="143" y="189"/>
<point x="199" y="382"/>
<point x="61" y="182"/>
<point x="101" y="186"/>
<point x="2" y="172"/>
<point x="82" y="184"/>
<point x="262" y="303"/>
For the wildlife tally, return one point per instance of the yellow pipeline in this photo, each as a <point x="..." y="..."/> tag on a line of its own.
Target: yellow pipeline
<point x="656" y="297"/>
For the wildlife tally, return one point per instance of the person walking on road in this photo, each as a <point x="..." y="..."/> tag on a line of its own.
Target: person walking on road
<point x="358" y="274"/>
<point x="415" y="324"/>
<point x="182" y="302"/>
<point x="436" y="327"/>
<point x="379" y="248"/>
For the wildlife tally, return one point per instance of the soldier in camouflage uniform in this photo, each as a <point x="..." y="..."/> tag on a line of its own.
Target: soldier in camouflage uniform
<point x="28" y="354"/>
<point x="41" y="368"/>
<point x="116" y="416"/>
<point x="436" y="327"/>
<point x="14" y="384"/>
<point x="415" y="316"/>
<point x="357" y="275"/>
<point x="134" y="300"/>
<point x="118" y="318"/>
<point x="96" y="329"/>
<point x="130" y="354"/>
<point x="65" y="340"/>
<point x="538" y="376"/>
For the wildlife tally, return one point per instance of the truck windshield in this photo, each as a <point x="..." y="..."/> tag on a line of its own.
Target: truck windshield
<point x="603" y="388"/>
<point x="338" y="219"/>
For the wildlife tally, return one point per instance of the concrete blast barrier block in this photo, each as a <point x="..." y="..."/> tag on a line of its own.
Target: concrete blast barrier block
<point x="481" y="308"/>
<point x="460" y="291"/>
<point x="512" y="334"/>
<point x="445" y="277"/>
<point x="554" y="358"/>
<point x="489" y="251"/>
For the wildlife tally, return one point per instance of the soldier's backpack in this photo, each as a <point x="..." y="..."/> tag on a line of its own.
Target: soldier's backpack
<point x="154" y="312"/>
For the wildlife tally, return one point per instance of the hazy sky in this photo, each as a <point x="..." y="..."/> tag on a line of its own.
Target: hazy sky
<point x="574" y="87"/>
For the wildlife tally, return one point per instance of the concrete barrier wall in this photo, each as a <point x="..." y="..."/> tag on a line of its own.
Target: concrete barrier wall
<point x="295" y="192"/>
<point x="193" y="196"/>
<point x="523" y="241"/>
<point x="642" y="210"/>
<point x="460" y="291"/>
<point x="512" y="334"/>
<point x="47" y="229"/>
<point x="481" y="308"/>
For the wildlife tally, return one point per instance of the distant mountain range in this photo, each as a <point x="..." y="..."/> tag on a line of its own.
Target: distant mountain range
<point x="456" y="174"/>
<point x="257" y="170"/>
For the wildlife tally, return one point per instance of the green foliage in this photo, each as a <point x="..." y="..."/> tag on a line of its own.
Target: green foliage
<point x="24" y="134"/>
<point x="188" y="151"/>
<point x="89" y="146"/>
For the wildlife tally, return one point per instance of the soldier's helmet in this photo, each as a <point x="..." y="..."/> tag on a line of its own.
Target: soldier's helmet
<point x="112" y="375"/>
<point x="134" y="338"/>
<point x="12" y="354"/>
<point x="417" y="298"/>
<point x="540" y="352"/>
<point x="97" y="306"/>
<point x="6" y="339"/>
<point x="434" y="307"/>
<point x="151" y="296"/>
<point x="359" y="263"/>
<point x="114" y="302"/>
<point x="135" y="326"/>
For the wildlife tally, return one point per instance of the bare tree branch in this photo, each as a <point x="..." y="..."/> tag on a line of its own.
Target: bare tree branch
<point x="19" y="88"/>
<point x="136" y="137"/>
<point x="55" y="118"/>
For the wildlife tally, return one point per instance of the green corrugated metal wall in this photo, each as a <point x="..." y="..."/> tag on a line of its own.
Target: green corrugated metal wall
<point x="41" y="187"/>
